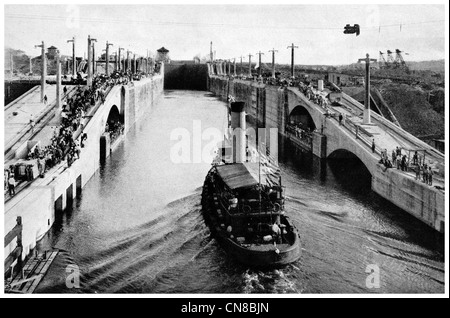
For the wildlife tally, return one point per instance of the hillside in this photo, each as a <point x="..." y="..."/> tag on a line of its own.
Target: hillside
<point x="437" y="66"/>
<point x="411" y="107"/>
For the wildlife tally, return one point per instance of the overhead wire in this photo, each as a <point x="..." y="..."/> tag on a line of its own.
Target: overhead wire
<point x="174" y="23"/>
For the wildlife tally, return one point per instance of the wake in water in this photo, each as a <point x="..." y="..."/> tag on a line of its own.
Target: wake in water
<point x="274" y="281"/>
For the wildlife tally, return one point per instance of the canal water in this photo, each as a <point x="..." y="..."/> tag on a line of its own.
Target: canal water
<point x="138" y="227"/>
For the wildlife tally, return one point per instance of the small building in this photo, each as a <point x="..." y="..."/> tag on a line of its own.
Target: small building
<point x="52" y="52"/>
<point x="162" y="55"/>
<point x="339" y="78"/>
<point x="342" y="79"/>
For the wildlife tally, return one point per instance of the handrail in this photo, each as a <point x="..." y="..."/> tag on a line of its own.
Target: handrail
<point x="391" y="126"/>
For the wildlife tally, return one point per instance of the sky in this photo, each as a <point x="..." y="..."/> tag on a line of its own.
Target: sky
<point x="235" y="30"/>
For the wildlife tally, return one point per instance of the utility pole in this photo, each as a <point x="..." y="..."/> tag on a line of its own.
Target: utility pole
<point x="273" y="61"/>
<point x="119" y="62"/>
<point x="366" y="117"/>
<point x="128" y="61"/>
<point x="259" y="68"/>
<point x="58" y="87"/>
<point x="31" y="67"/>
<point x="250" y="65"/>
<point x="292" y="47"/>
<point x="115" y="61"/>
<point x="89" y="75"/>
<point x="43" y="70"/>
<point x="242" y="65"/>
<point x="11" y="62"/>
<point x="89" y="63"/>
<point x="234" y="66"/>
<point x="107" y="57"/>
<point x="134" y="63"/>
<point x="94" y="62"/>
<point x="74" y="60"/>
<point x="211" y="57"/>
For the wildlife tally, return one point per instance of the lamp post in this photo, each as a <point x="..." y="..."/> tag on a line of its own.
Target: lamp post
<point x="259" y="68"/>
<point x="107" y="57"/>
<point x="292" y="47"/>
<point x="89" y="56"/>
<point x="128" y="61"/>
<point x="366" y="116"/>
<point x="119" y="61"/>
<point x="250" y="65"/>
<point x="58" y="87"/>
<point x="74" y="61"/>
<point x="273" y="62"/>
<point x="43" y="69"/>
<point x="94" y="62"/>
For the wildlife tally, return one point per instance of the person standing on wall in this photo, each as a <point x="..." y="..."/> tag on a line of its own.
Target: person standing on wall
<point x="12" y="185"/>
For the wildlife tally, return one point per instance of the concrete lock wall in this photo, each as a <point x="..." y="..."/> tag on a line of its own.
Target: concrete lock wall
<point x="38" y="204"/>
<point x="415" y="197"/>
<point x="262" y="103"/>
<point x="271" y="106"/>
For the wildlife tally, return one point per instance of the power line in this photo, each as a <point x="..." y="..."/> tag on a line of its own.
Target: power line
<point x="173" y="23"/>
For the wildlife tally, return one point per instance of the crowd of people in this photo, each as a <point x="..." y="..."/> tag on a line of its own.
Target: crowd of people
<point x="115" y="129"/>
<point x="425" y="173"/>
<point x="399" y="160"/>
<point x="63" y="144"/>
<point x="298" y="129"/>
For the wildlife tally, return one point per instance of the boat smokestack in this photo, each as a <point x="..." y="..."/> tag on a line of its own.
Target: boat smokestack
<point x="238" y="125"/>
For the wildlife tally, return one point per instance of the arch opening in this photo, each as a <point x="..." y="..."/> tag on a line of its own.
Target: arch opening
<point x="114" y="124"/>
<point x="349" y="170"/>
<point x="301" y="118"/>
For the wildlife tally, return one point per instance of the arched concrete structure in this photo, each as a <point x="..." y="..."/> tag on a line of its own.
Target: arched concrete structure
<point x="346" y="154"/>
<point x="301" y="115"/>
<point x="114" y="115"/>
<point x="295" y="99"/>
<point x="276" y="105"/>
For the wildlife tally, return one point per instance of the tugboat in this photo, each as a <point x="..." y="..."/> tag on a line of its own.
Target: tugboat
<point x="243" y="202"/>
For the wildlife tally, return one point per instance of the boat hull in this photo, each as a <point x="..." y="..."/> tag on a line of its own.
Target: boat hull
<point x="270" y="256"/>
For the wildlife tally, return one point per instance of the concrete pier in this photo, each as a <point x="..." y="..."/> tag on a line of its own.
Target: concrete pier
<point x="43" y="198"/>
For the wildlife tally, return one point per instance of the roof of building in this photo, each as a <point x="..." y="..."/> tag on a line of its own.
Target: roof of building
<point x="162" y="50"/>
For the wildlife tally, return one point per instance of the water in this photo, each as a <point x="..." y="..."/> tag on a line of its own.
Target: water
<point x="138" y="226"/>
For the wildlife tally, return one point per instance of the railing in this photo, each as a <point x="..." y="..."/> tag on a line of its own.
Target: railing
<point x="302" y="135"/>
<point x="392" y="127"/>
